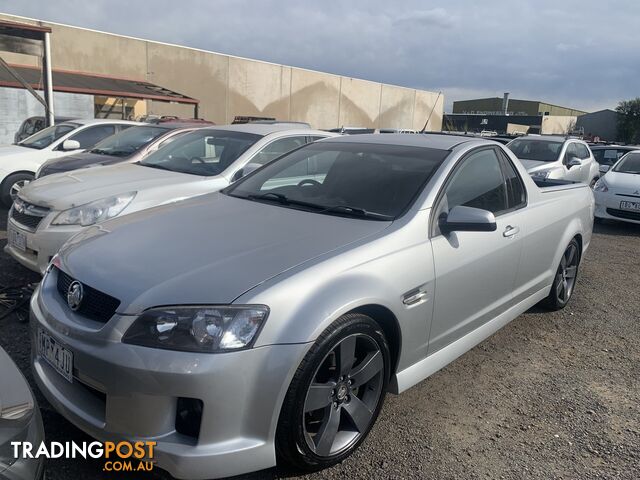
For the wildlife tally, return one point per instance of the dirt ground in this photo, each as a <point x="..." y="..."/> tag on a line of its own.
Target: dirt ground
<point x="552" y="395"/>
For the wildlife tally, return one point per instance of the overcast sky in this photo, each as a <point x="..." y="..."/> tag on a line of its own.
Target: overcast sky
<point x="583" y="54"/>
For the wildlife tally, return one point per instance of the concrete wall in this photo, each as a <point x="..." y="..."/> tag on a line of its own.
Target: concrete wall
<point x="17" y="104"/>
<point x="228" y="86"/>
<point x="558" y="125"/>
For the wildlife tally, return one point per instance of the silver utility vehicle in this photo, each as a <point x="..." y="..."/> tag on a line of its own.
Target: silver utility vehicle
<point x="269" y="320"/>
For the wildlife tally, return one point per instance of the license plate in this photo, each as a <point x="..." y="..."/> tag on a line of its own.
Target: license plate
<point x="17" y="239"/>
<point x="633" y="206"/>
<point x="55" y="355"/>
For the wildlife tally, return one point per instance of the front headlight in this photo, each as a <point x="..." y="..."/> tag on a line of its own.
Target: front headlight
<point x="601" y="186"/>
<point x="94" y="212"/>
<point x="207" y="329"/>
<point x="541" y="174"/>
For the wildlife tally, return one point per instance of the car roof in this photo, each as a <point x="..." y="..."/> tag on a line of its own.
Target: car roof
<point x="258" y="128"/>
<point x="436" y="141"/>
<point x="551" y="138"/>
<point x="614" y="147"/>
<point x="98" y="121"/>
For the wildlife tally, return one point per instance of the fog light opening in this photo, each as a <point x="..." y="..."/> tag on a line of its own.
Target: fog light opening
<point x="189" y="416"/>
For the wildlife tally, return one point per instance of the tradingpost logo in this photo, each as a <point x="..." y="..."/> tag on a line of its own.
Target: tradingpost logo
<point x="119" y="456"/>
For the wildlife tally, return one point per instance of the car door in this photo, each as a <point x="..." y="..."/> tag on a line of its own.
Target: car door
<point x="475" y="271"/>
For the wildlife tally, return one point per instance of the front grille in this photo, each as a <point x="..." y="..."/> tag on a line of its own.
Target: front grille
<point x="95" y="305"/>
<point x="624" y="214"/>
<point x="27" y="214"/>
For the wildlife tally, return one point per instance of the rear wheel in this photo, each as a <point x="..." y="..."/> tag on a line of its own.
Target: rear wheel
<point x="335" y="395"/>
<point x="12" y="185"/>
<point x="565" y="280"/>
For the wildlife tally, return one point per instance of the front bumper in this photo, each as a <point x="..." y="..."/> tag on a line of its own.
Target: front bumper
<point x="12" y="468"/>
<point x="41" y="244"/>
<point x="128" y="392"/>
<point x="608" y="207"/>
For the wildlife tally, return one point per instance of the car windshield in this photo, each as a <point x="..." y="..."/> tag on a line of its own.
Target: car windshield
<point x="361" y="180"/>
<point x="630" y="163"/>
<point x="205" y="152"/>
<point x="539" y="150"/>
<point x="128" y="142"/>
<point x="46" y="137"/>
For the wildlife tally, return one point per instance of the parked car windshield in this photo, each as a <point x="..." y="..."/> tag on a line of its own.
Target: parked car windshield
<point x="369" y="181"/>
<point x="46" y="137"/>
<point x="629" y="164"/>
<point x="202" y="152"/>
<point x="539" y="150"/>
<point x="129" y="141"/>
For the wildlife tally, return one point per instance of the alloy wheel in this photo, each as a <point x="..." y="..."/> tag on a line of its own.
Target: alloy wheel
<point x="343" y="395"/>
<point x="16" y="187"/>
<point x="567" y="272"/>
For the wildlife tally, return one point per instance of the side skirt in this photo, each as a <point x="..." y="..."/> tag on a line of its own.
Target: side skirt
<point x="426" y="367"/>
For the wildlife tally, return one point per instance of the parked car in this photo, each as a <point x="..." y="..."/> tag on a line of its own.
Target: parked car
<point x="20" y="421"/>
<point x="52" y="209"/>
<point x="274" y="316"/>
<point x="33" y="125"/>
<point x="128" y="146"/>
<point x="608" y="155"/>
<point x="556" y="158"/>
<point x="19" y="163"/>
<point x="617" y="192"/>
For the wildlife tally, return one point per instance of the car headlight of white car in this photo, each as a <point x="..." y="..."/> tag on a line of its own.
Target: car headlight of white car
<point x="540" y="174"/>
<point x="207" y="329"/>
<point x="94" y="212"/>
<point x="601" y="186"/>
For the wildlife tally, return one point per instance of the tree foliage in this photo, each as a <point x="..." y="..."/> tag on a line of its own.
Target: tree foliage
<point x="629" y="120"/>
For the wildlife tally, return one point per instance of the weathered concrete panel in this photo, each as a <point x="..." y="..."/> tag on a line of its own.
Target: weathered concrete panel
<point x="396" y="107"/>
<point x="194" y="73"/>
<point x="256" y="88"/>
<point x="428" y="105"/>
<point x="359" y="103"/>
<point x="315" y="98"/>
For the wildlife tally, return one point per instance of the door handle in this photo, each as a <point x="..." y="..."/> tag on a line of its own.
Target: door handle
<point x="510" y="231"/>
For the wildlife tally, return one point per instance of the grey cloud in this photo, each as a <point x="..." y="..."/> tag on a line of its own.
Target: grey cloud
<point x="574" y="52"/>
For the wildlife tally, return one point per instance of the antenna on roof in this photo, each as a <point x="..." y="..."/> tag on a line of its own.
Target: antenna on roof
<point x="431" y="113"/>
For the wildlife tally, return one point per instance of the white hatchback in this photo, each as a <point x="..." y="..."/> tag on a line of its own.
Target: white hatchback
<point x="19" y="162"/>
<point x="618" y="191"/>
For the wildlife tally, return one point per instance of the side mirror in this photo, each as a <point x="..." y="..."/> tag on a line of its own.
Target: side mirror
<point x="573" y="162"/>
<point x="70" y="145"/>
<point x="246" y="170"/>
<point x="604" y="168"/>
<point x="467" y="219"/>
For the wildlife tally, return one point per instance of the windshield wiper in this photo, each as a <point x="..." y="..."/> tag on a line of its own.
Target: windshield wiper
<point x="270" y="196"/>
<point x="356" y="212"/>
<point x="155" y="165"/>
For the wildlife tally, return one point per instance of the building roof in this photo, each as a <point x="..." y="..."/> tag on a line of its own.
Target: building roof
<point x="92" y="84"/>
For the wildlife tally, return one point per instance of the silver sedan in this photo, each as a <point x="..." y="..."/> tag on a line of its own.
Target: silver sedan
<point x="268" y="321"/>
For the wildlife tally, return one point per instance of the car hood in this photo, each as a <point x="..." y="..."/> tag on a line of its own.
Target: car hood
<point x="15" y="151"/>
<point x="80" y="160"/>
<point x="17" y="390"/>
<point x="66" y="190"/>
<point x="535" y="165"/>
<point x="623" y="182"/>
<point x="207" y="250"/>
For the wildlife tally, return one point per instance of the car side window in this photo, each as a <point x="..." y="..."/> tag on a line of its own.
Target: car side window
<point x="583" y="152"/>
<point x="314" y="138"/>
<point x="572" y="151"/>
<point x="278" y="148"/>
<point x="477" y="182"/>
<point x="90" y="136"/>
<point x="516" y="192"/>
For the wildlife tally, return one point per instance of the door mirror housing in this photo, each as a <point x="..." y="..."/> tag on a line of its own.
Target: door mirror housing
<point x="604" y="168"/>
<point x="246" y="170"/>
<point x="70" y="145"/>
<point x="573" y="161"/>
<point x="467" y="219"/>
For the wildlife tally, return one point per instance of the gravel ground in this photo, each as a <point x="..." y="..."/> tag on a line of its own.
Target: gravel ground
<point x="552" y="395"/>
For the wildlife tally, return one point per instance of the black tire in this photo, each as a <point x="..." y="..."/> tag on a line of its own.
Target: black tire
<point x="297" y="444"/>
<point x="593" y="181"/>
<point x="8" y="184"/>
<point x="565" y="279"/>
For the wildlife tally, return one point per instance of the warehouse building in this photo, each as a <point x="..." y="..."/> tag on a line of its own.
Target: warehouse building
<point x="511" y="116"/>
<point x="101" y="74"/>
